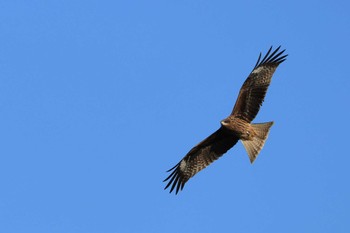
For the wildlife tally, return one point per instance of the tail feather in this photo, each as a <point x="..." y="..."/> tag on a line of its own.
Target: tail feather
<point x="254" y="146"/>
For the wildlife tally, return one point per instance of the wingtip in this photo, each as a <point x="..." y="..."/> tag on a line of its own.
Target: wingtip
<point x="174" y="180"/>
<point x="274" y="57"/>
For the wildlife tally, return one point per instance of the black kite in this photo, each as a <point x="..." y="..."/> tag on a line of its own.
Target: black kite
<point x="237" y="126"/>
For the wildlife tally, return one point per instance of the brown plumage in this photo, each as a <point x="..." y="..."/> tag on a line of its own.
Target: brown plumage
<point x="237" y="126"/>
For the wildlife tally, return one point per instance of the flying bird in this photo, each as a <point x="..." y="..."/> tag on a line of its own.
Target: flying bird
<point x="237" y="126"/>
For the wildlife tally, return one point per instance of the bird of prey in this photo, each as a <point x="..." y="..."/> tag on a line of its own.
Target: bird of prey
<point x="237" y="126"/>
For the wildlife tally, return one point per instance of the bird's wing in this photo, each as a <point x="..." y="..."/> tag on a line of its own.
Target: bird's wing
<point x="253" y="91"/>
<point x="199" y="157"/>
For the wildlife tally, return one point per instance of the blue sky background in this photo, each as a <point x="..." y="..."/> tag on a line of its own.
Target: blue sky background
<point x="99" y="98"/>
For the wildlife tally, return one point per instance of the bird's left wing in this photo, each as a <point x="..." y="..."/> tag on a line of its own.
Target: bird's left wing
<point x="199" y="157"/>
<point x="253" y="91"/>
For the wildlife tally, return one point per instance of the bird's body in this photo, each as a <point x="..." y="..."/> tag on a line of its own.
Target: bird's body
<point x="237" y="126"/>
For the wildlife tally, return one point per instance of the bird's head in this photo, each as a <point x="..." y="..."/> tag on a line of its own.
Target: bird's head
<point x="225" y="122"/>
<point x="228" y="123"/>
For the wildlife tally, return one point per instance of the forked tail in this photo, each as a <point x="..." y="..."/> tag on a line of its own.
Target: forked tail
<point x="254" y="146"/>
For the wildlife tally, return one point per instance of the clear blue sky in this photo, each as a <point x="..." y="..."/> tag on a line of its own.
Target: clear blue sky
<point x="99" y="98"/>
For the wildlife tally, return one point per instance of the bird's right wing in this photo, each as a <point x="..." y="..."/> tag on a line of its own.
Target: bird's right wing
<point x="199" y="157"/>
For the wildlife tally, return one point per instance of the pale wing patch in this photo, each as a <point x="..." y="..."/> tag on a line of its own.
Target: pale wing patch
<point x="183" y="165"/>
<point x="257" y="70"/>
